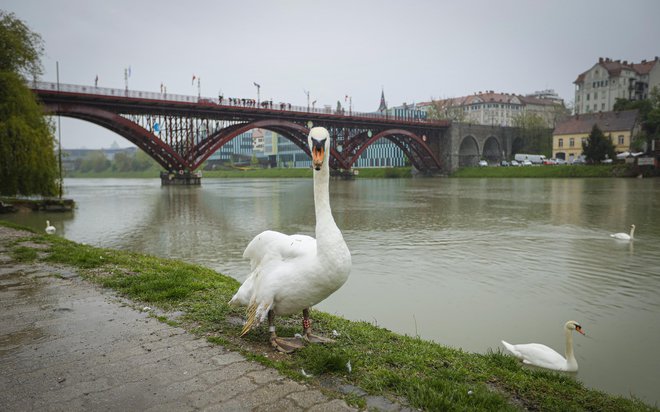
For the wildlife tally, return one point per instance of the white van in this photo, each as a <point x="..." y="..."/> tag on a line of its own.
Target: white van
<point x="534" y="158"/>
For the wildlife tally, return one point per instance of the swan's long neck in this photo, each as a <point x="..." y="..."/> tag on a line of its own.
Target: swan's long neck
<point x="328" y="234"/>
<point x="632" y="231"/>
<point x="570" y="356"/>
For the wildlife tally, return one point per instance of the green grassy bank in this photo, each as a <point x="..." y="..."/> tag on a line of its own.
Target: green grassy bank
<point x="617" y="170"/>
<point x="428" y="375"/>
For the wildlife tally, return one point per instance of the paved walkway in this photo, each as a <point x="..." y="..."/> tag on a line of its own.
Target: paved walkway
<point x="66" y="345"/>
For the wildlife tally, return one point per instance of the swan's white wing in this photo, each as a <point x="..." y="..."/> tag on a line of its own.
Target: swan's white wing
<point x="537" y="354"/>
<point x="269" y="253"/>
<point x="275" y="245"/>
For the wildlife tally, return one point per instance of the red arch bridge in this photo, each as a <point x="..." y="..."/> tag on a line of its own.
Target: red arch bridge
<point x="180" y="132"/>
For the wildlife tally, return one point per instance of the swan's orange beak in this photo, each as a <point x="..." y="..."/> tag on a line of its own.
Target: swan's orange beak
<point x="318" y="154"/>
<point x="579" y="329"/>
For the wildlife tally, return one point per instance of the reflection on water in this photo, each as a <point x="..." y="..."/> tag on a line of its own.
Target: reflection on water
<point x="465" y="262"/>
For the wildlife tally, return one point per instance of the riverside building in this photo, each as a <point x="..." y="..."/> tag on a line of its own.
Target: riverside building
<point x="597" y="89"/>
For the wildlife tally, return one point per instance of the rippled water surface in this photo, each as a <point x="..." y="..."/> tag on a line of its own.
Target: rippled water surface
<point x="464" y="262"/>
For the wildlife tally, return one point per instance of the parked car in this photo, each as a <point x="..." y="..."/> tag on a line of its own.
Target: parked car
<point x="550" y="162"/>
<point x="526" y="163"/>
<point x="560" y="161"/>
<point x="515" y="163"/>
<point x="504" y="163"/>
<point x="483" y="163"/>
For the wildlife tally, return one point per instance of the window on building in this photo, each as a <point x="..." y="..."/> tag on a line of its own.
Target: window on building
<point x="588" y="96"/>
<point x="622" y="140"/>
<point x="561" y="143"/>
<point x="584" y="140"/>
<point x="595" y="95"/>
<point x="571" y="142"/>
<point x="602" y="106"/>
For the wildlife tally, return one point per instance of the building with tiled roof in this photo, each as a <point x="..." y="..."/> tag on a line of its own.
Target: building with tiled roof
<point x="499" y="109"/>
<point x="569" y="133"/>
<point x="598" y="88"/>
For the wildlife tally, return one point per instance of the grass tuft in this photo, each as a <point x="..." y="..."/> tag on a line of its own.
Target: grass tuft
<point x="24" y="254"/>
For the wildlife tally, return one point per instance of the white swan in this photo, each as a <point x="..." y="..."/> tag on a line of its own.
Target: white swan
<point x="545" y="357"/>
<point x="624" y="236"/>
<point x="50" y="229"/>
<point x="293" y="273"/>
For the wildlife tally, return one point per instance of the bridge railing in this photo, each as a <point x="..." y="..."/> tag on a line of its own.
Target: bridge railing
<point x="227" y="102"/>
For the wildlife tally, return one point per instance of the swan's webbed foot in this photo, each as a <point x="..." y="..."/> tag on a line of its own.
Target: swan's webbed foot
<point x="310" y="337"/>
<point x="286" y="345"/>
<point x="307" y="330"/>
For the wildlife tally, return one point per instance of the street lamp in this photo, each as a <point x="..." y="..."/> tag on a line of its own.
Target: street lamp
<point x="258" y="88"/>
<point x="307" y="93"/>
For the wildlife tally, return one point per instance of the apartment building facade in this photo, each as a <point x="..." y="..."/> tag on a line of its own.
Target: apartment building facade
<point x="597" y="89"/>
<point x="499" y="109"/>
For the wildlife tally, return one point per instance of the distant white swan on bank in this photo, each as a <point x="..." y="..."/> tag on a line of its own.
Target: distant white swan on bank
<point x="624" y="236"/>
<point x="545" y="357"/>
<point x="293" y="273"/>
<point x="49" y="228"/>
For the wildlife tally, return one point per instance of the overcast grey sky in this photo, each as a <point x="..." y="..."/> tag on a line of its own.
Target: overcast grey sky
<point x="415" y="50"/>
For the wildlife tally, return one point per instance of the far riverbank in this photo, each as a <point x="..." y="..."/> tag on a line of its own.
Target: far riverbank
<point x="559" y="171"/>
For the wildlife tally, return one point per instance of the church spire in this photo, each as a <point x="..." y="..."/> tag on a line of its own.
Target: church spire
<point x="383" y="105"/>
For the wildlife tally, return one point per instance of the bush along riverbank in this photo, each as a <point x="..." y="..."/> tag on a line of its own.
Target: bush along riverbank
<point x="366" y="358"/>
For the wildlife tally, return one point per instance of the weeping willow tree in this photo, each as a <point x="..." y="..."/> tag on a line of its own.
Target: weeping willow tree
<point x="28" y="165"/>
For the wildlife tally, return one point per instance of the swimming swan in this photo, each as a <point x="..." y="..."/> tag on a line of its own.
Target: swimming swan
<point x="50" y="229"/>
<point x="293" y="273"/>
<point x="624" y="236"/>
<point x="545" y="357"/>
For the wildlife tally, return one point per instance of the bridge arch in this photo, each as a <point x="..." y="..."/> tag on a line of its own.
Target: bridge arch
<point x="142" y="138"/>
<point x="294" y="132"/>
<point x="517" y="145"/>
<point x="468" y="152"/>
<point x="413" y="146"/>
<point x="492" y="150"/>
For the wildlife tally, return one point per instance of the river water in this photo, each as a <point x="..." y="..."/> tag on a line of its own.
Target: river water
<point x="464" y="262"/>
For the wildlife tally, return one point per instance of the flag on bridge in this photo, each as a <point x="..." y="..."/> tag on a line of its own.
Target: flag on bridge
<point x="193" y="80"/>
<point x="96" y="81"/>
<point x="258" y="85"/>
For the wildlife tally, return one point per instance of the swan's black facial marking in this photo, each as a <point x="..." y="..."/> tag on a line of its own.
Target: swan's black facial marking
<point x="318" y="145"/>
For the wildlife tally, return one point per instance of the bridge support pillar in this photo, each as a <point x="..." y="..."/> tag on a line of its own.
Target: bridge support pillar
<point x="181" y="178"/>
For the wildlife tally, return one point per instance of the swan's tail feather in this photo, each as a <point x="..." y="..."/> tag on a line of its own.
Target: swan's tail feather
<point x="251" y="318"/>
<point x="510" y="348"/>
